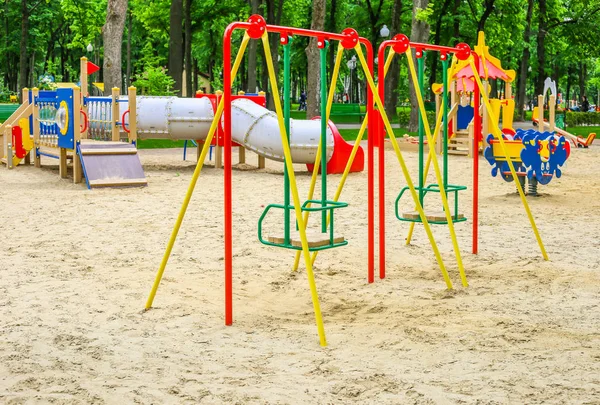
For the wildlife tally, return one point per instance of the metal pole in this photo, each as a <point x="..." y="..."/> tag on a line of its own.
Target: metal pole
<point x="286" y="114"/>
<point x="323" y="52"/>
<point x="420" y="55"/>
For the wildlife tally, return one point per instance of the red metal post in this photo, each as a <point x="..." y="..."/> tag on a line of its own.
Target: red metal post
<point x="381" y="182"/>
<point x="476" y="135"/>
<point x="371" y="184"/>
<point x="228" y="257"/>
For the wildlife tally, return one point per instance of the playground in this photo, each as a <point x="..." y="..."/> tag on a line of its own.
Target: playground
<point x="76" y="268"/>
<point x="497" y="303"/>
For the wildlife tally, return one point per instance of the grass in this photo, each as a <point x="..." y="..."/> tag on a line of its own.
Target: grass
<point x="583" y="131"/>
<point x="351" y="134"/>
<point x="160" y="144"/>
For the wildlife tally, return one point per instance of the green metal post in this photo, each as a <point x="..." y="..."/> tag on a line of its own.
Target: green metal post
<point x="420" y="69"/>
<point x="445" y="101"/>
<point x="323" y="55"/>
<point x="286" y="116"/>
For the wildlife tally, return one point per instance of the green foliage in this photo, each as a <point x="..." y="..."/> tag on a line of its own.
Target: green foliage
<point x="155" y="81"/>
<point x="577" y="119"/>
<point x="404" y="117"/>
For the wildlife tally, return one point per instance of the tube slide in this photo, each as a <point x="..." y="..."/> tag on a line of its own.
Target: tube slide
<point x="252" y="126"/>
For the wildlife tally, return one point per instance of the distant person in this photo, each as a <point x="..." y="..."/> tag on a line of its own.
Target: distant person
<point x="585" y="104"/>
<point x="302" y="106"/>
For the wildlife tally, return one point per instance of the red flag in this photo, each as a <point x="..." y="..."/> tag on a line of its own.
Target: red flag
<point x="92" y="68"/>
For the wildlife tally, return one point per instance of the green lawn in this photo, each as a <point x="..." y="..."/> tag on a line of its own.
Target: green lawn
<point x="351" y="134"/>
<point x="583" y="131"/>
<point x="160" y="144"/>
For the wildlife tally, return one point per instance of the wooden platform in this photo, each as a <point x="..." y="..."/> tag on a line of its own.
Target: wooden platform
<point x="315" y="239"/>
<point x="433" y="216"/>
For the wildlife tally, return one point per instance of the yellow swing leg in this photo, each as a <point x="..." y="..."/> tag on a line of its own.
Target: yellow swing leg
<point x="195" y="176"/>
<point x="498" y="136"/>
<point x="313" y="179"/>
<point x="430" y="156"/>
<point x="294" y="190"/>
<point x="436" y="169"/>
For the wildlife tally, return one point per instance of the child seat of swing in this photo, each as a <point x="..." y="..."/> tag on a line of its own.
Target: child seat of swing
<point x="316" y="240"/>
<point x="437" y="217"/>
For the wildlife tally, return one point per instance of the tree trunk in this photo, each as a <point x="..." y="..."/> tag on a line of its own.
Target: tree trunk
<point x="112" y="36"/>
<point x="418" y="33"/>
<point x="195" y="87"/>
<point x="128" y="72"/>
<point x="274" y="17"/>
<point x="392" y="78"/>
<point x="188" y="48"/>
<point x="582" y="75"/>
<point x="331" y="27"/>
<point x="23" y="54"/>
<point x="436" y="41"/>
<point x="489" y="8"/>
<point x="568" y="95"/>
<point x="522" y="82"/>
<point x="176" y="44"/>
<point x="252" y="46"/>
<point x="313" y="93"/>
<point x="456" y="24"/>
<point x="541" y="50"/>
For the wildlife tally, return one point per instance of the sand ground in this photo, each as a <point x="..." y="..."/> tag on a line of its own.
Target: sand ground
<point x="76" y="267"/>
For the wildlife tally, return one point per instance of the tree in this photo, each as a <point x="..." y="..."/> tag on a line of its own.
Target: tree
<point x="176" y="44"/>
<point x="23" y="53"/>
<point x="112" y="35"/>
<point x="188" y="48"/>
<point x="522" y="79"/>
<point x="393" y="77"/>
<point x="418" y="33"/>
<point x="313" y="91"/>
<point x="252" y="46"/>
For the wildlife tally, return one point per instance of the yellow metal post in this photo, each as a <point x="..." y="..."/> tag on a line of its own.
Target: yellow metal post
<point x="313" y="180"/>
<point x="294" y="190"/>
<point x="194" y="180"/>
<point x="498" y="136"/>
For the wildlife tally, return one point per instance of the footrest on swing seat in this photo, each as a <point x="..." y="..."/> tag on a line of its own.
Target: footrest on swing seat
<point x="315" y="239"/>
<point x="433" y="216"/>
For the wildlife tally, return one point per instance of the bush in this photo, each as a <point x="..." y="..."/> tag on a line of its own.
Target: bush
<point x="576" y="119"/>
<point x="155" y="82"/>
<point x="404" y="117"/>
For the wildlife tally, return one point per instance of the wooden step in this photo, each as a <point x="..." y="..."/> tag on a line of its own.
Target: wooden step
<point x="458" y="152"/>
<point x="461" y="141"/>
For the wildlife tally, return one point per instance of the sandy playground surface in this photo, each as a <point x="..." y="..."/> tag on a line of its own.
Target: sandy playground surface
<point x="76" y="267"/>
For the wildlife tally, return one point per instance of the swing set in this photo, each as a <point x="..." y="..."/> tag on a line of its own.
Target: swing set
<point x="256" y="28"/>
